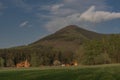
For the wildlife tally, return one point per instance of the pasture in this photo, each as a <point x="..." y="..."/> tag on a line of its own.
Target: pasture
<point x="100" y="72"/>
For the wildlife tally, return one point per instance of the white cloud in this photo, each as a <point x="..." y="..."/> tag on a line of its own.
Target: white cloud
<point x="82" y="5"/>
<point x="68" y="7"/>
<point x="56" y="24"/>
<point x="46" y="7"/>
<point x="98" y="16"/>
<point x="77" y="19"/>
<point x="53" y="7"/>
<point x="61" y="22"/>
<point x="24" y="24"/>
<point x="56" y="7"/>
<point x="68" y="12"/>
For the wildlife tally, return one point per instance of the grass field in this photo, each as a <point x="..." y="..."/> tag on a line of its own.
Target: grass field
<point x="103" y="72"/>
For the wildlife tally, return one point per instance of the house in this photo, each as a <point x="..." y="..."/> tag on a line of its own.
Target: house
<point x="74" y="63"/>
<point x="25" y="64"/>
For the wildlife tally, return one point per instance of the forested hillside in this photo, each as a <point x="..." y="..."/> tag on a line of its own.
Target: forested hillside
<point x="68" y="45"/>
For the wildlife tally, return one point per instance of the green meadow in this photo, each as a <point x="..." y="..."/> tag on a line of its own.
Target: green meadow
<point x="100" y="72"/>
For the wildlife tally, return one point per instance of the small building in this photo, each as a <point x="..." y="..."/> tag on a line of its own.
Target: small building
<point x="25" y="64"/>
<point x="74" y="63"/>
<point x="63" y="65"/>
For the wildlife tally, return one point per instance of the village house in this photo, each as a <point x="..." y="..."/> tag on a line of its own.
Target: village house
<point x="25" y="64"/>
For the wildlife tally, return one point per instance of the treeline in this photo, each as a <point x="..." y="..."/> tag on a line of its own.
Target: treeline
<point x="103" y="51"/>
<point x="41" y="56"/>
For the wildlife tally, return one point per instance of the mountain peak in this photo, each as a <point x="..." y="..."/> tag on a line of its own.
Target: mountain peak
<point x="68" y="29"/>
<point x="72" y="26"/>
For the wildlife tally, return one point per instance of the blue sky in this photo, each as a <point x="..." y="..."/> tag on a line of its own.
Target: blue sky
<point x="25" y="21"/>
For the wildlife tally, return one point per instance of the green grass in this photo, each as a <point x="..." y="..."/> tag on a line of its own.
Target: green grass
<point x="104" y="72"/>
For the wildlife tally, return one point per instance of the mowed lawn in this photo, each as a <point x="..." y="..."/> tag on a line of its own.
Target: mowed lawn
<point x="104" y="72"/>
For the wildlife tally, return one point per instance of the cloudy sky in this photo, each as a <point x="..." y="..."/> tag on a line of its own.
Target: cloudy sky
<point x="25" y="21"/>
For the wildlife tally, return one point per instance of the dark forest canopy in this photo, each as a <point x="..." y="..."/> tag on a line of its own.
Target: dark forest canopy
<point x="67" y="45"/>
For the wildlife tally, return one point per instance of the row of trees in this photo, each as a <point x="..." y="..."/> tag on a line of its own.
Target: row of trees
<point x="36" y="56"/>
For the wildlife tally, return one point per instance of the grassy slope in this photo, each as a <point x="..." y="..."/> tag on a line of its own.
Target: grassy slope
<point x="107" y="72"/>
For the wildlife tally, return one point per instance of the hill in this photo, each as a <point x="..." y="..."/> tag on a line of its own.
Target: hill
<point x="68" y="38"/>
